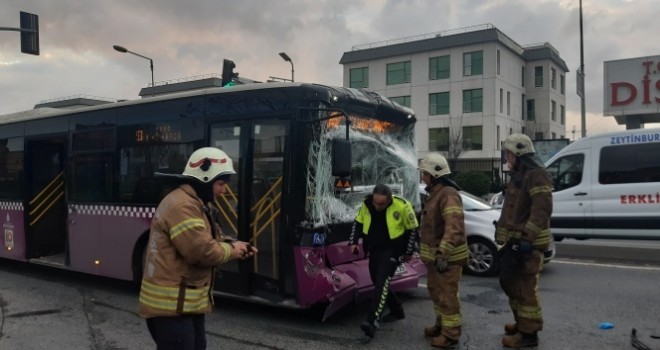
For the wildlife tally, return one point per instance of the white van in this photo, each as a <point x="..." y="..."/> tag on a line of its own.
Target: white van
<point x="607" y="186"/>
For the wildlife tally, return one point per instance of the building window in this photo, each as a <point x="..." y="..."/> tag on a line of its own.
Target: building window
<point x="538" y="76"/>
<point x="501" y="100"/>
<point x="562" y="84"/>
<point x="522" y="105"/>
<point x="398" y="73"/>
<point x="498" y="143"/>
<point x="359" y="77"/>
<point x="523" y="77"/>
<point x="439" y="67"/>
<point x="562" y="114"/>
<point x="531" y="110"/>
<point x="508" y="103"/>
<point x="472" y="100"/>
<point x="498" y="62"/>
<point x="402" y="100"/>
<point x="553" y="78"/>
<point x="473" y="63"/>
<point x="553" y="110"/>
<point x="439" y="139"/>
<point x="538" y="136"/>
<point x="439" y="103"/>
<point x="472" y="138"/>
<point x="554" y="135"/>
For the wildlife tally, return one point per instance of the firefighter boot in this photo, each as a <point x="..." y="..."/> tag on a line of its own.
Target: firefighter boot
<point x="443" y="342"/>
<point x="511" y="328"/>
<point x="520" y="340"/>
<point x="433" y="331"/>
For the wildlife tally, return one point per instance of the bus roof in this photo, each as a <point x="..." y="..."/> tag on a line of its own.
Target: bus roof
<point x="332" y="94"/>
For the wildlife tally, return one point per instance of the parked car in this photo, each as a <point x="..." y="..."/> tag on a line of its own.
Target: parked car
<point x="484" y="259"/>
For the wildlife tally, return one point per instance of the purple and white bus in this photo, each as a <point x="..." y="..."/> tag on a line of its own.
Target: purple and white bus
<point x="77" y="186"/>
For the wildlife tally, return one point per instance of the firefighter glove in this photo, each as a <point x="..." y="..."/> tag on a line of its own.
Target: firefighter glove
<point x="441" y="264"/>
<point x="522" y="246"/>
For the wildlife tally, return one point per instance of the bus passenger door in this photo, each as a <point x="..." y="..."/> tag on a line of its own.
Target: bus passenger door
<point x="46" y="214"/>
<point x="251" y="209"/>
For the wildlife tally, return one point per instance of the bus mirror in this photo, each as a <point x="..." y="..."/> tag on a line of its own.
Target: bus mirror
<point x="341" y="157"/>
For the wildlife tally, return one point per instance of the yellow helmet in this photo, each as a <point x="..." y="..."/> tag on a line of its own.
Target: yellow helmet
<point x="435" y="164"/>
<point x="518" y="144"/>
<point x="207" y="164"/>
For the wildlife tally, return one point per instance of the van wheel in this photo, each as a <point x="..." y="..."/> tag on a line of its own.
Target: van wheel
<point x="483" y="259"/>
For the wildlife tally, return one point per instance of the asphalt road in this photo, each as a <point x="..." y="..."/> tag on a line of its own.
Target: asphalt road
<point x="42" y="308"/>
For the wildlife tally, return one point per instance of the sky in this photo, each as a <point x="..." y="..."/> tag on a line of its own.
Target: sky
<point x="191" y="38"/>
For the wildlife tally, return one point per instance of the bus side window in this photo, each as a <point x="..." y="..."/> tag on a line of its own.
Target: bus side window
<point x="147" y="191"/>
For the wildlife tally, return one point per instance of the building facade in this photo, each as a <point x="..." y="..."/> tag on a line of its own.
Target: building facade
<point x="469" y="88"/>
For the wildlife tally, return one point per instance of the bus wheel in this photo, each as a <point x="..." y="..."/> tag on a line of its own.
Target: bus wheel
<point x="139" y="258"/>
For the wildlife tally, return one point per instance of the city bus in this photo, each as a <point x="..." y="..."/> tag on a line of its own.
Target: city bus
<point x="78" y="190"/>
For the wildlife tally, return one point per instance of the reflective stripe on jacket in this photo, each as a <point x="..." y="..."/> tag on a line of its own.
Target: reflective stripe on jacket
<point x="180" y="260"/>
<point x="400" y="217"/>
<point x="527" y="210"/>
<point x="443" y="226"/>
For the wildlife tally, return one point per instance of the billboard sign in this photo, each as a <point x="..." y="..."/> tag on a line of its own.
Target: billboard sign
<point x="631" y="86"/>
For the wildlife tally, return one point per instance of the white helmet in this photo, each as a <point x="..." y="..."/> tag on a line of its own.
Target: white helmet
<point x="518" y="144"/>
<point x="435" y="164"/>
<point x="207" y="164"/>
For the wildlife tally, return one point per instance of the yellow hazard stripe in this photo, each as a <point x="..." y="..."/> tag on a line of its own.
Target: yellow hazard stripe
<point x="452" y="210"/>
<point x="166" y="298"/>
<point x="539" y="189"/>
<point x="451" y="320"/>
<point x="186" y="225"/>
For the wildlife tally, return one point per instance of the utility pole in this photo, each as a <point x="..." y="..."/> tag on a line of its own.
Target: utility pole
<point x="581" y="80"/>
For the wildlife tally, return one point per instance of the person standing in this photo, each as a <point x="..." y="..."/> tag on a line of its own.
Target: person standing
<point x="524" y="231"/>
<point x="388" y="225"/>
<point x="177" y="284"/>
<point x="443" y="248"/>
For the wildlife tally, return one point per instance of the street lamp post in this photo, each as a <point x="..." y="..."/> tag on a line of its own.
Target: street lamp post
<point x="288" y="59"/>
<point x="151" y="64"/>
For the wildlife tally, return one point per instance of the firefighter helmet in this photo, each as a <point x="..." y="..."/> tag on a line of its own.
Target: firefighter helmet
<point x="518" y="144"/>
<point x="207" y="164"/>
<point x="435" y="164"/>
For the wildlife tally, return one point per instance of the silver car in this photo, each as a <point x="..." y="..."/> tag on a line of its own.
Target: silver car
<point x="480" y="216"/>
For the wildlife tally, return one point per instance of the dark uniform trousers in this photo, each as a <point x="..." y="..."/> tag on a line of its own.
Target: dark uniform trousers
<point x="519" y="278"/>
<point x="382" y="266"/>
<point x="185" y="332"/>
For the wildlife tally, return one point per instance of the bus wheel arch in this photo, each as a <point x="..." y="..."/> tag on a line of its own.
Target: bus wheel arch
<point x="139" y="256"/>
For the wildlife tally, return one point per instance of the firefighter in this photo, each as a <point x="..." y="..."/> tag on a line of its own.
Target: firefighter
<point x="177" y="284"/>
<point x="443" y="248"/>
<point x="523" y="230"/>
<point x="388" y="225"/>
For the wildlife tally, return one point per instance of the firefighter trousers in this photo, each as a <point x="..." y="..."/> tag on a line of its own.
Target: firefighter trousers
<point x="443" y="290"/>
<point x="519" y="278"/>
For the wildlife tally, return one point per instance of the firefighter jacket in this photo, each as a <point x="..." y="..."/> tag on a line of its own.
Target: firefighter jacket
<point x="400" y="219"/>
<point x="527" y="209"/>
<point x="181" y="255"/>
<point x="443" y="227"/>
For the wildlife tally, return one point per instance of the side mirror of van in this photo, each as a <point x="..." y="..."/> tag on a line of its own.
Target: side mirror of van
<point x="341" y="157"/>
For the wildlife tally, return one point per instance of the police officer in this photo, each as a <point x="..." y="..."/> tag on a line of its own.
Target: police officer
<point x="182" y="252"/>
<point x="443" y="248"/>
<point x="388" y="225"/>
<point x="523" y="229"/>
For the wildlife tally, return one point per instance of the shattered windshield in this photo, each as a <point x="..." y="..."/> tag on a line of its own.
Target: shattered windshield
<point x="382" y="152"/>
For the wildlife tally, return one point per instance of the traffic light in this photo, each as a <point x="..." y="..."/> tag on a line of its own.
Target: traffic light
<point x="228" y="72"/>
<point x="29" y="33"/>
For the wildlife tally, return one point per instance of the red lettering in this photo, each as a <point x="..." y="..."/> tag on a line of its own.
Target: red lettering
<point x="657" y="87"/>
<point x="632" y="199"/>
<point x="647" y="67"/>
<point x="623" y="199"/>
<point x="646" y="82"/>
<point x="614" y="87"/>
<point x="641" y="199"/>
<point x="651" y="199"/>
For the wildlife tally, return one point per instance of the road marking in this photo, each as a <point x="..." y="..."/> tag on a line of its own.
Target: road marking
<point x="648" y="268"/>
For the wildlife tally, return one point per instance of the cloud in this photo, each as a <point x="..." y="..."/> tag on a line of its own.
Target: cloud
<point x="189" y="38"/>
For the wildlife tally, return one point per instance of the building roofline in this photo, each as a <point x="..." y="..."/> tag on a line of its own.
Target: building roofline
<point x="449" y="39"/>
